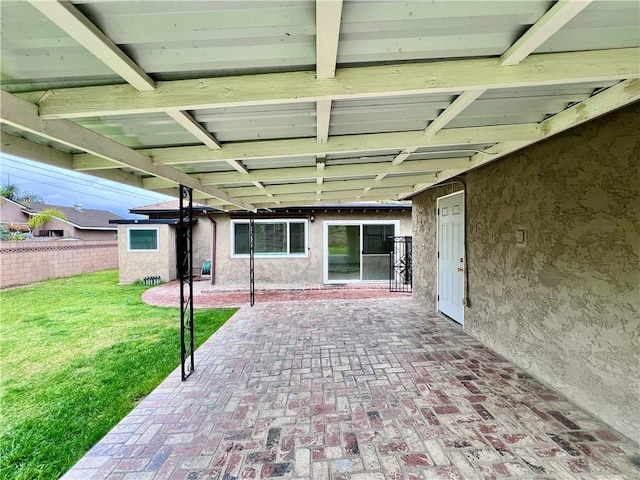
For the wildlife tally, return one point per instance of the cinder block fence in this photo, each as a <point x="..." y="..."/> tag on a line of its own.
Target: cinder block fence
<point x="26" y="262"/>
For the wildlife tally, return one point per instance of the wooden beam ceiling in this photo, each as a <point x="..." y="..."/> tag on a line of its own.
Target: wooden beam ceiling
<point x="24" y="116"/>
<point x="77" y="26"/>
<point x="552" y="21"/>
<point x="450" y="76"/>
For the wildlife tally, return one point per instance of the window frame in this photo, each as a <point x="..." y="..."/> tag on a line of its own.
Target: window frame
<point x="288" y="222"/>
<point x="143" y="250"/>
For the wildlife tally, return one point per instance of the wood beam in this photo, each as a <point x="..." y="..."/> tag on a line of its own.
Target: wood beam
<point x="335" y="186"/>
<point x="384" y="193"/>
<point x="617" y="96"/>
<point x="552" y="21"/>
<point x="448" y="76"/>
<point x="328" y="16"/>
<point x="323" y="118"/>
<point x="24" y="116"/>
<point x="346" y="144"/>
<point x="453" y="110"/>
<point x="193" y="127"/>
<point x="333" y="171"/>
<point x="21" y="147"/>
<point x="77" y="26"/>
<point x="269" y="203"/>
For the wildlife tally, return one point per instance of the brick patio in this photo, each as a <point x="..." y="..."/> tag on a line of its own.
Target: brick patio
<point x="354" y="389"/>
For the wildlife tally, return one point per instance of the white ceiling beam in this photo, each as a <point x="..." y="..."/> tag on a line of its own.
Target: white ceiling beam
<point x="194" y="128"/>
<point x="552" y="21"/>
<point x="24" y="116"/>
<point x="617" y="96"/>
<point x="323" y="118"/>
<point x="346" y="144"/>
<point x="334" y="186"/>
<point x="453" y="110"/>
<point x="333" y="171"/>
<point x="23" y="148"/>
<point x="328" y="16"/>
<point x="77" y="26"/>
<point x="197" y="130"/>
<point x="390" y="193"/>
<point x="337" y="145"/>
<point x="270" y="203"/>
<point x="448" y="76"/>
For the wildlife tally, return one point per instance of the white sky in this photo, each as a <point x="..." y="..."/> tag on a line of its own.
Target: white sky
<point x="63" y="187"/>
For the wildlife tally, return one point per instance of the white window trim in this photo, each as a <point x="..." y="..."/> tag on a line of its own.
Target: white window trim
<point x="138" y="250"/>
<point x="288" y="221"/>
<point x="325" y="246"/>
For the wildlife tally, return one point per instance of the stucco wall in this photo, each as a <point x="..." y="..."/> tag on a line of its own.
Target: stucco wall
<point x="565" y="304"/>
<point x="137" y="265"/>
<point x="299" y="270"/>
<point x="10" y="212"/>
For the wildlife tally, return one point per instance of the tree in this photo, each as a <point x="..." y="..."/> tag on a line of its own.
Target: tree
<point x="13" y="193"/>
<point x="44" y="216"/>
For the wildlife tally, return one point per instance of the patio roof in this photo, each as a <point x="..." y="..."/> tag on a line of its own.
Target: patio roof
<point x="274" y="104"/>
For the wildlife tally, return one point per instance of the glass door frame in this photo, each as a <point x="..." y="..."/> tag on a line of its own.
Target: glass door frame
<point x="361" y="224"/>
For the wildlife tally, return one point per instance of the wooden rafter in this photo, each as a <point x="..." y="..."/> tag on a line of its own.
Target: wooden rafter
<point x="617" y="96"/>
<point x="453" y="110"/>
<point x="24" y="116"/>
<point x="77" y="26"/>
<point x="358" y="82"/>
<point x="337" y="145"/>
<point x="552" y="21"/>
<point x="328" y="15"/>
<point x="332" y="171"/>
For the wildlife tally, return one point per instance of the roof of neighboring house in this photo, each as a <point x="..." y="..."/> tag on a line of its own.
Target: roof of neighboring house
<point x="82" y="218"/>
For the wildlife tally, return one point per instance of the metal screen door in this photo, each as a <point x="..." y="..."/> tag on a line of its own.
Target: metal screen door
<point x="184" y="246"/>
<point x="400" y="274"/>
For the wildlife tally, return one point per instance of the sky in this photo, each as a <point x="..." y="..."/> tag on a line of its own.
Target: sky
<point x="64" y="187"/>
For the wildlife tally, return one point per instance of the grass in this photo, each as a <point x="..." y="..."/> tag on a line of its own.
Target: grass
<point x="76" y="355"/>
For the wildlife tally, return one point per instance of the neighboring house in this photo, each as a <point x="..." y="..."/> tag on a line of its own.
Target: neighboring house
<point x="346" y="243"/>
<point x="82" y="223"/>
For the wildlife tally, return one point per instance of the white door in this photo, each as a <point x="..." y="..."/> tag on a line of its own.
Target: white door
<point x="451" y="261"/>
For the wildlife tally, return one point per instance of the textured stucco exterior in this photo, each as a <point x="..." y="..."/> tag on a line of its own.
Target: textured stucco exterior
<point x="297" y="270"/>
<point x="564" y="304"/>
<point x="135" y="265"/>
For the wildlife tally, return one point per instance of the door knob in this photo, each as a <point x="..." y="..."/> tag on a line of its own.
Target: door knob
<point x="460" y="269"/>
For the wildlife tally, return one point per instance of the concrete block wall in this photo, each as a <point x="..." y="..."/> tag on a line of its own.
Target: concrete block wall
<point x="22" y="263"/>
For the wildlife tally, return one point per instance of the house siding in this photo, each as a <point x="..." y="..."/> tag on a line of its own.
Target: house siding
<point x="296" y="270"/>
<point x="564" y="305"/>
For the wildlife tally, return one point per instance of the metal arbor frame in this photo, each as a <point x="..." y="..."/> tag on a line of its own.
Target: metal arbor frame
<point x="184" y="246"/>
<point x="252" y="248"/>
<point x="400" y="265"/>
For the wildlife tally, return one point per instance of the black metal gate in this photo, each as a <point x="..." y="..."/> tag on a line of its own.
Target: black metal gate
<point x="252" y="249"/>
<point x="184" y="244"/>
<point x="400" y="272"/>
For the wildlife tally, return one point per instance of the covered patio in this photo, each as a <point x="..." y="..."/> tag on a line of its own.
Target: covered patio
<point x="359" y="389"/>
<point x="520" y="110"/>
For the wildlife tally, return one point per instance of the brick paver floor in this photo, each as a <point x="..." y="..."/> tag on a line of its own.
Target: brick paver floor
<point x="354" y="390"/>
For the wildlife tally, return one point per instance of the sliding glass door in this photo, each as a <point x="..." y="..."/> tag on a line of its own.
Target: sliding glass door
<point x="357" y="251"/>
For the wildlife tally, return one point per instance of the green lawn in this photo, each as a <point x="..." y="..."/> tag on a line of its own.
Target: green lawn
<point x="76" y="355"/>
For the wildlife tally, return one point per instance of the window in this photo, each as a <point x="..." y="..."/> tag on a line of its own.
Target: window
<point x="142" y="239"/>
<point x="272" y="238"/>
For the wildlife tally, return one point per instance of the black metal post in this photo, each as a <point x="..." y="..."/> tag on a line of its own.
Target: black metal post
<point x="185" y="274"/>
<point x="252" y="277"/>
